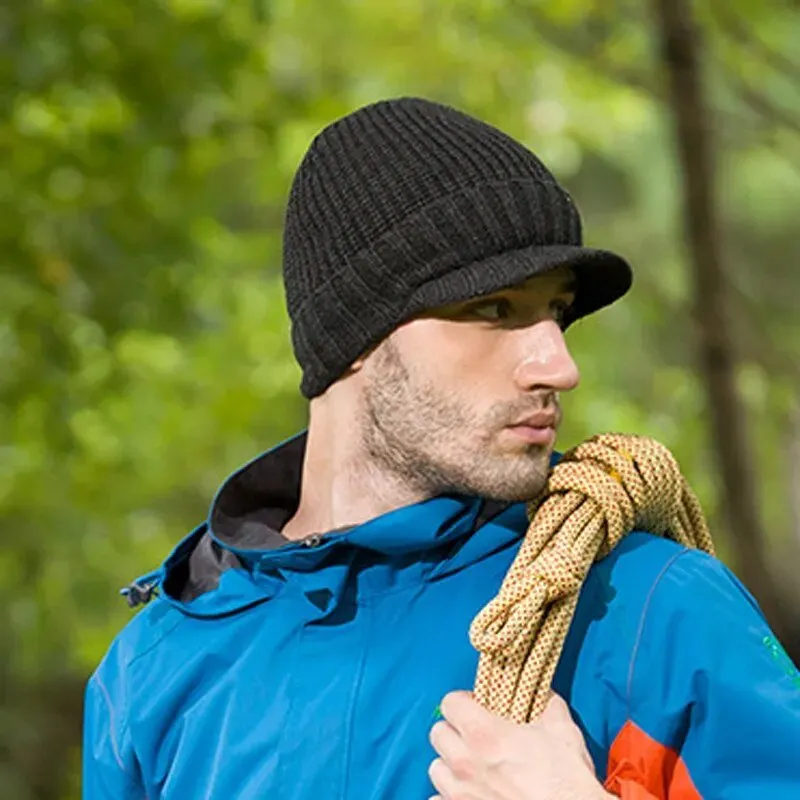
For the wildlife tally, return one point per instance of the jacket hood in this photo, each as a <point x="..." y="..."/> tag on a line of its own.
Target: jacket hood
<point x="238" y="556"/>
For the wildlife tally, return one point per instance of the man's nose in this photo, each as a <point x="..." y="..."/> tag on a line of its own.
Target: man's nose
<point x="545" y="360"/>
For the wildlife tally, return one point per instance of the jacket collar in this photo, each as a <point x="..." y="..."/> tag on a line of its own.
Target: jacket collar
<point x="257" y="500"/>
<point x="238" y="557"/>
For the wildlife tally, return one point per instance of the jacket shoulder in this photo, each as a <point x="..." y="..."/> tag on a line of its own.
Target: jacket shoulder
<point x="648" y="577"/>
<point x="594" y="672"/>
<point x="109" y="761"/>
<point x="636" y="565"/>
<point x="144" y="632"/>
<point x="619" y="587"/>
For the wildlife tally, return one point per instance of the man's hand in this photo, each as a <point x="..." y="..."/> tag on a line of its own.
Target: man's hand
<point x="486" y="757"/>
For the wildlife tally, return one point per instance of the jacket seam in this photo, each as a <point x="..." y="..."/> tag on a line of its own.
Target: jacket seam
<point x="365" y="602"/>
<point x="157" y="641"/>
<point x="640" y="631"/>
<point x="297" y="639"/>
<point x="113" y="723"/>
<point x="352" y="710"/>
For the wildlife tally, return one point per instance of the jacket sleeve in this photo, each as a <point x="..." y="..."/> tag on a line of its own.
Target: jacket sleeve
<point x="713" y="699"/>
<point x="110" y="769"/>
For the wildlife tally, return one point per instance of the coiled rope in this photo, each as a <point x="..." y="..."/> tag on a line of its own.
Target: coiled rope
<point x="600" y="491"/>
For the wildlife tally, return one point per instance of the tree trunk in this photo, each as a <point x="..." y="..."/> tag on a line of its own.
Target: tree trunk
<point x="679" y="52"/>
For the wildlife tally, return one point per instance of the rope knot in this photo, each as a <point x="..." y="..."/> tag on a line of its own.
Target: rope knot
<point x="633" y="481"/>
<point x="651" y="475"/>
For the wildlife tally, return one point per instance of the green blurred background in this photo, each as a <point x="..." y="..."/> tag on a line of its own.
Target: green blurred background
<point x="147" y="149"/>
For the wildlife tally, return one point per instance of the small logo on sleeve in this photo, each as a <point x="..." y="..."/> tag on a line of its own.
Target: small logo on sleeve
<point x="781" y="657"/>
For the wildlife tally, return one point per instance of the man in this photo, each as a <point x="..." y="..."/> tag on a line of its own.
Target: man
<point x="303" y="635"/>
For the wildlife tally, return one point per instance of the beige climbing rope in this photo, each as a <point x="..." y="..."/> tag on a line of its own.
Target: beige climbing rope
<point x="600" y="491"/>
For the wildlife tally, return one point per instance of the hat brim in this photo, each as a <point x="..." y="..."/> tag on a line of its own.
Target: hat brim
<point x="602" y="277"/>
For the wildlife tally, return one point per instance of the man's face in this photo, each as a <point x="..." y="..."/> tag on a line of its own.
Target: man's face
<point x="444" y="392"/>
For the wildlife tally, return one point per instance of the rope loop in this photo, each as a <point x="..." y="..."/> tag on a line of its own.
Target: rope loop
<point x="599" y="492"/>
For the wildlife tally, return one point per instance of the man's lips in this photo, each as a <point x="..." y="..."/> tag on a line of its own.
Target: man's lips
<point x="540" y="419"/>
<point x="539" y="428"/>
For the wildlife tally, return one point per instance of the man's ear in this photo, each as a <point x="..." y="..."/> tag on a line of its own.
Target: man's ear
<point x="358" y="364"/>
<point x="355" y="367"/>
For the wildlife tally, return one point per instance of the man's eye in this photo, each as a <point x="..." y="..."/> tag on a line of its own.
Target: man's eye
<point x="560" y="309"/>
<point x="494" y="310"/>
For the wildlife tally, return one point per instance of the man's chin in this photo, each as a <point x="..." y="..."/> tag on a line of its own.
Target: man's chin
<point x="525" y="453"/>
<point x="520" y="487"/>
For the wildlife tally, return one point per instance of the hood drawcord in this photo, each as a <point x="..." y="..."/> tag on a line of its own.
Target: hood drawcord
<point x="141" y="591"/>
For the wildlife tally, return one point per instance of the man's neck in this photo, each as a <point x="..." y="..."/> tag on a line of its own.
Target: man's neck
<point x="340" y="485"/>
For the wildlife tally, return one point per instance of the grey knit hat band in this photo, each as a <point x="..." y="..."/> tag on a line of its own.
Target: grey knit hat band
<point x="412" y="234"/>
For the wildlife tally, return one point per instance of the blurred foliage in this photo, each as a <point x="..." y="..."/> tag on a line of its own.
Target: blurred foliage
<point x="148" y="147"/>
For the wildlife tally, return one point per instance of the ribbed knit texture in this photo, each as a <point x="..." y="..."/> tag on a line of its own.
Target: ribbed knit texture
<point x="405" y="205"/>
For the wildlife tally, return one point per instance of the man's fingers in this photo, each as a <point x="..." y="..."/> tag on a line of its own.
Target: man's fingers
<point x="465" y="714"/>
<point x="556" y="709"/>
<point x="557" y="717"/>
<point x="453" y="751"/>
<point x="442" y="778"/>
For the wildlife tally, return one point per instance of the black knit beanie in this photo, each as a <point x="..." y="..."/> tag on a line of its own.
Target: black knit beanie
<point x="406" y="205"/>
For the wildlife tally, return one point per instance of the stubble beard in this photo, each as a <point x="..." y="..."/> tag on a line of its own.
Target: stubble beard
<point x="431" y="443"/>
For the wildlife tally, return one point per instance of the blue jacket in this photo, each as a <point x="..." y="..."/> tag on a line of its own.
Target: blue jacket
<point x="266" y="669"/>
